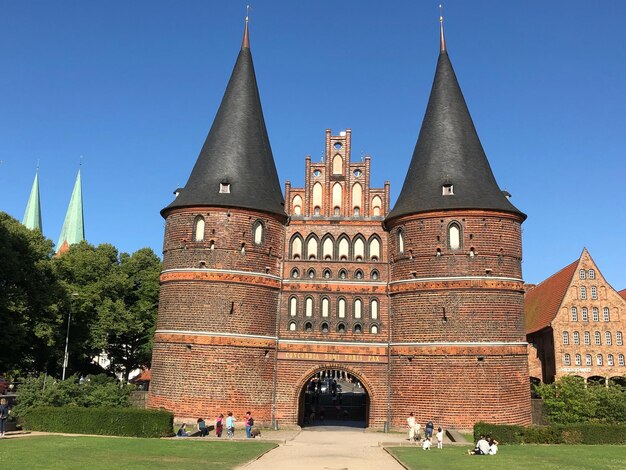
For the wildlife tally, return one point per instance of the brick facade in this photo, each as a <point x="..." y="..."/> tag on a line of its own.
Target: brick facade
<point x="247" y="316"/>
<point x="585" y="335"/>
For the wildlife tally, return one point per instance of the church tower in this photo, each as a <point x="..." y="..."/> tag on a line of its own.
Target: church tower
<point x="458" y="350"/>
<point x="215" y="344"/>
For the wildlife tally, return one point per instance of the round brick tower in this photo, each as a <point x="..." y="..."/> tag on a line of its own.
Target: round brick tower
<point x="458" y="349"/>
<point x="215" y="344"/>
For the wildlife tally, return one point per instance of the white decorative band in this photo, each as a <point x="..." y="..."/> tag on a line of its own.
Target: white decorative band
<point x="463" y="343"/>
<point x="457" y="278"/>
<point x="226" y="271"/>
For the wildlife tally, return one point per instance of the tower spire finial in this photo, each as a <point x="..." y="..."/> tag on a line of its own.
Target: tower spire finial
<point x="246" y="39"/>
<point x="442" y="39"/>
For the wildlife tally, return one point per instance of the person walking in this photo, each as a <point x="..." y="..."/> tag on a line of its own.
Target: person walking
<point x="230" y="425"/>
<point x="219" y="425"/>
<point x="439" y="438"/>
<point x="4" y="416"/>
<point x="410" y="423"/>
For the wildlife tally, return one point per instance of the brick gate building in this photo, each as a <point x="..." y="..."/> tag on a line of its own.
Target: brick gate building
<point x="421" y="304"/>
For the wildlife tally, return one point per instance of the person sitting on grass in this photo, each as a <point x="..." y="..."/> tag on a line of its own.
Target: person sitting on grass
<point x="426" y="444"/>
<point x="202" y="429"/>
<point x="493" y="447"/>
<point x="482" y="447"/>
<point x="182" y="431"/>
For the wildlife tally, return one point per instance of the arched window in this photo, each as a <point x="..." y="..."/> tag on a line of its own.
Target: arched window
<point x="454" y="236"/>
<point x="358" y="304"/>
<point x="337" y="196"/>
<point x="295" y="273"/>
<point x="358" y="328"/>
<point x="327" y="248"/>
<point x="588" y="360"/>
<point x="293" y="306"/>
<point x="325" y="306"/>
<point x="609" y="360"/>
<point x="587" y="338"/>
<point x="341" y="308"/>
<point x="576" y="337"/>
<point x="620" y="359"/>
<point x="341" y="328"/>
<point x="596" y="314"/>
<point x="375" y="249"/>
<point x="258" y="230"/>
<point x="599" y="360"/>
<point x="598" y="338"/>
<point x="375" y="275"/>
<point x="358" y="274"/>
<point x="606" y="314"/>
<point x="374" y="309"/>
<point x="608" y="340"/>
<point x="583" y="293"/>
<point x="198" y="229"/>
<point x="292" y="326"/>
<point x="308" y="327"/>
<point x="376" y="206"/>
<point x="343" y="274"/>
<point x="359" y="249"/>
<point x="337" y="165"/>
<point x="585" y="314"/>
<point x="577" y="360"/>
<point x="618" y="338"/>
<point x="567" y="360"/>
<point x="565" y="337"/>
<point x="308" y="307"/>
<point x="296" y="247"/>
<point x="324" y="327"/>
<point x="574" y="314"/>
<point x="297" y="205"/>
<point x="400" y="241"/>
<point x="357" y="198"/>
<point x="327" y="274"/>
<point x="311" y="273"/>
<point x="374" y="329"/>
<point x="592" y="274"/>
<point x="311" y="248"/>
<point x="317" y="196"/>
<point x="344" y="248"/>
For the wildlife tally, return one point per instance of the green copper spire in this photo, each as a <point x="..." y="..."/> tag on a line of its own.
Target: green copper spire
<point x="73" y="230"/>
<point x="32" y="216"/>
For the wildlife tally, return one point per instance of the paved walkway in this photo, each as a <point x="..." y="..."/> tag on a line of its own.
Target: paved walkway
<point x="331" y="448"/>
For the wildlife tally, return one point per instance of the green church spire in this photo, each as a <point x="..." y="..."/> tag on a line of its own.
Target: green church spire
<point x="73" y="230"/>
<point x="32" y="216"/>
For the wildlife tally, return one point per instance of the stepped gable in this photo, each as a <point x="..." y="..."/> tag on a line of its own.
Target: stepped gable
<point x="236" y="156"/>
<point x="448" y="152"/>
<point x="542" y="302"/>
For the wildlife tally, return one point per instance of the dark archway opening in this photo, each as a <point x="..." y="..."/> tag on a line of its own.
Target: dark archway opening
<point x="333" y="397"/>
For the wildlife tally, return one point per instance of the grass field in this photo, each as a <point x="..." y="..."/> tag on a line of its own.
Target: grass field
<point x="95" y="453"/>
<point x="516" y="457"/>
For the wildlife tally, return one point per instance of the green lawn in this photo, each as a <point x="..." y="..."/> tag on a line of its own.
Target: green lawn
<point x="93" y="453"/>
<point x="516" y="457"/>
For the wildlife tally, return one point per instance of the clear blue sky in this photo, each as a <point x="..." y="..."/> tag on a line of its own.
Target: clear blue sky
<point x="134" y="87"/>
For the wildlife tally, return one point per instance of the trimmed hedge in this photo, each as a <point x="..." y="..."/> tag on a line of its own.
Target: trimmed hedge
<point x="106" y="421"/>
<point x="579" y="433"/>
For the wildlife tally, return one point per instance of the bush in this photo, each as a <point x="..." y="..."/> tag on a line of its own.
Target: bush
<point x="95" y="391"/>
<point x="105" y="421"/>
<point x="577" y="433"/>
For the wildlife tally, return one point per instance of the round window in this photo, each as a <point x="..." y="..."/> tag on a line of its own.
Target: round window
<point x="317" y="173"/>
<point x="357" y="173"/>
<point x="337" y="145"/>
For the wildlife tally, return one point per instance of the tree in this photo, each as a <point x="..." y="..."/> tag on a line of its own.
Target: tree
<point x="31" y="299"/>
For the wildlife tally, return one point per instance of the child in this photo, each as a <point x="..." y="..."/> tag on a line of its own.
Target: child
<point x="219" y="425"/>
<point x="230" y="425"/>
<point x="439" y="438"/>
<point x="426" y="445"/>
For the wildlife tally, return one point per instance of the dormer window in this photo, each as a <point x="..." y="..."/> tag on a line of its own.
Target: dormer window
<point x="447" y="190"/>
<point x="224" y="187"/>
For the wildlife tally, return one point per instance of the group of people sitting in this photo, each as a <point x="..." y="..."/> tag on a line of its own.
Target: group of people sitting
<point x="203" y="430"/>
<point x="485" y="446"/>
<point x="415" y="433"/>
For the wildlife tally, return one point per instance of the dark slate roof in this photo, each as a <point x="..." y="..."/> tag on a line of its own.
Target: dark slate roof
<point x="448" y="151"/>
<point x="237" y="151"/>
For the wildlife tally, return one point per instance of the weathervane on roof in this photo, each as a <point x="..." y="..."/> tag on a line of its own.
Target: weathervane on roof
<point x="442" y="39"/>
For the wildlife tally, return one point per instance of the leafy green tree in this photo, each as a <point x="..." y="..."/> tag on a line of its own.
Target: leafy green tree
<point x="32" y="302"/>
<point x="569" y="400"/>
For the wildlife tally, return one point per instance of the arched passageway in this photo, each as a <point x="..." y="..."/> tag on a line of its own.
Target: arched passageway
<point x="333" y="397"/>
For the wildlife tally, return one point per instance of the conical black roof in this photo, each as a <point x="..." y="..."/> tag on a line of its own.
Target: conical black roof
<point x="236" y="152"/>
<point x="448" y="152"/>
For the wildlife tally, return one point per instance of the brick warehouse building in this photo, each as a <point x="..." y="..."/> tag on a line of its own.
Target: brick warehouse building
<point x="419" y="305"/>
